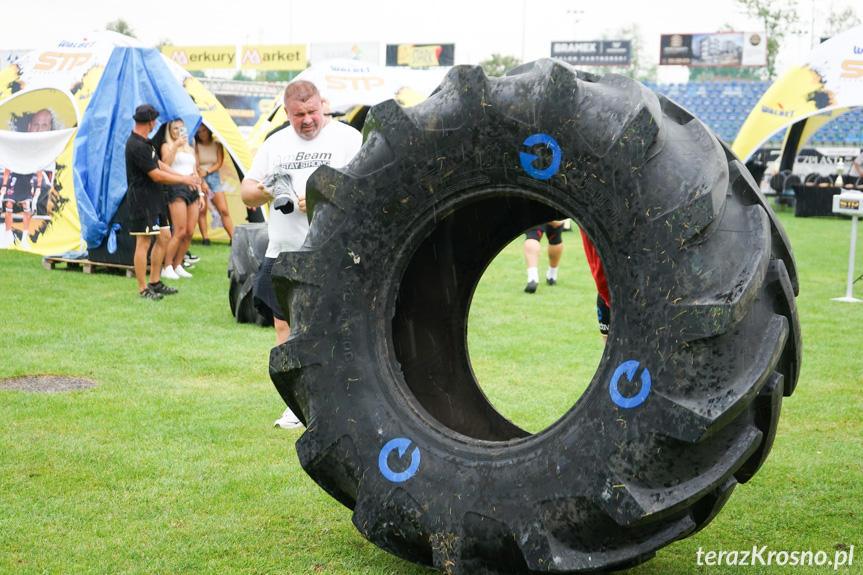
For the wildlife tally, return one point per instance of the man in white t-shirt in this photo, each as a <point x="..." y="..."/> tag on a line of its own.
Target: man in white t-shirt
<point x="299" y="150"/>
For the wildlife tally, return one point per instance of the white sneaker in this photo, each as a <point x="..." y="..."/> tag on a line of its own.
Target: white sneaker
<point x="181" y="272"/>
<point x="25" y="243"/>
<point x="7" y="238"/>
<point x="168" y="273"/>
<point x="288" y="420"/>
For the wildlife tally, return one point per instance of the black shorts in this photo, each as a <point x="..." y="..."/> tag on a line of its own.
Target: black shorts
<point x="180" y="192"/>
<point x="148" y="225"/>
<point x="603" y="314"/>
<point x="265" y="296"/>
<point x="19" y="189"/>
<point x="554" y="234"/>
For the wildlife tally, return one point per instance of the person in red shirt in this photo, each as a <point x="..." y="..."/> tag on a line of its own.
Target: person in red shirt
<point x="603" y="298"/>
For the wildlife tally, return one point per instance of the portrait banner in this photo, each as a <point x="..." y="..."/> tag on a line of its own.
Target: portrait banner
<point x="718" y="49"/>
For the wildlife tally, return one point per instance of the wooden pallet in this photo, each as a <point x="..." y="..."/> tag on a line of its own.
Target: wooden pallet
<point x="86" y="266"/>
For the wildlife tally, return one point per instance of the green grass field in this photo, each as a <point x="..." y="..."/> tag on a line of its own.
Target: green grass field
<point x="171" y="464"/>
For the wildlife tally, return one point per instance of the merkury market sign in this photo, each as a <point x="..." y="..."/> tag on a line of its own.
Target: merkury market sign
<point x="288" y="57"/>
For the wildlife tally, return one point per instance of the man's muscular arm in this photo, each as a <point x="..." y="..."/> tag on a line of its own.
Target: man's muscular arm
<point x="253" y="193"/>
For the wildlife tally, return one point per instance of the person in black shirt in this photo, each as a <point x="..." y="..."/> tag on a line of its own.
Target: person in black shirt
<point x="144" y="172"/>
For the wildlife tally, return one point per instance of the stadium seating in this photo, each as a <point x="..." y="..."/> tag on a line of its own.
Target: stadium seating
<point x="724" y="106"/>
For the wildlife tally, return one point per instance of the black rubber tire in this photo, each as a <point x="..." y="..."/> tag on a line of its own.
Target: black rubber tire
<point x="248" y="246"/>
<point x="702" y="283"/>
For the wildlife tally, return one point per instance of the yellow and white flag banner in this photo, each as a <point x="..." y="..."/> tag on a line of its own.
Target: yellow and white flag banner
<point x="827" y="85"/>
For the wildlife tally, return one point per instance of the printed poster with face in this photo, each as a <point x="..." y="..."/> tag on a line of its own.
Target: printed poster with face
<point x="43" y="96"/>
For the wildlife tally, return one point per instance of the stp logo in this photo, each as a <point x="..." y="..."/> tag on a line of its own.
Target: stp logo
<point x="527" y="160"/>
<point x="60" y="61"/>
<point x="852" y="69"/>
<point x="355" y="83"/>
<point x="629" y="369"/>
<point x="401" y="444"/>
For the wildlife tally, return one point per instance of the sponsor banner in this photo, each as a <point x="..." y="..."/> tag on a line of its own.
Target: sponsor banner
<point x="716" y="49"/>
<point x="420" y="55"/>
<point x="822" y="160"/>
<point x="245" y="109"/>
<point x="828" y="84"/>
<point x="362" y="51"/>
<point x="202" y="57"/>
<point x="287" y="57"/>
<point x="594" y="52"/>
<point x="36" y="153"/>
<point x="348" y="83"/>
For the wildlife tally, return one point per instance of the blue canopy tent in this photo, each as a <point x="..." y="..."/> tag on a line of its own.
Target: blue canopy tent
<point x="132" y="76"/>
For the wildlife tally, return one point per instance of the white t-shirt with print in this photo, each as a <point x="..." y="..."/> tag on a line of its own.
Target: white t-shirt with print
<point x="334" y="146"/>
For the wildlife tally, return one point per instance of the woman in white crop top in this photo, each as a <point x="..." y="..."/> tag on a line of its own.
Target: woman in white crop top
<point x="184" y="203"/>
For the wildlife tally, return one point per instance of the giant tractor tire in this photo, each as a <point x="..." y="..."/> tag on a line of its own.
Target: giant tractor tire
<point x="684" y="405"/>
<point x="248" y="247"/>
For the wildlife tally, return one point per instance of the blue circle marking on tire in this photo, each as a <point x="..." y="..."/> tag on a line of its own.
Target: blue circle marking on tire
<point x="528" y="159"/>
<point x="629" y="368"/>
<point x="402" y="445"/>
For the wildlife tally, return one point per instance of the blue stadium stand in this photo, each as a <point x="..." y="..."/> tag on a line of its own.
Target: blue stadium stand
<point x="725" y="105"/>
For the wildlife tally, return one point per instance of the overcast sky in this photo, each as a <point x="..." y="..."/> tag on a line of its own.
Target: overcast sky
<point x="521" y="28"/>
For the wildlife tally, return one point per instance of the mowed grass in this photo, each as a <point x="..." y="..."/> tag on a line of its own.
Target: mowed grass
<point x="171" y="464"/>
